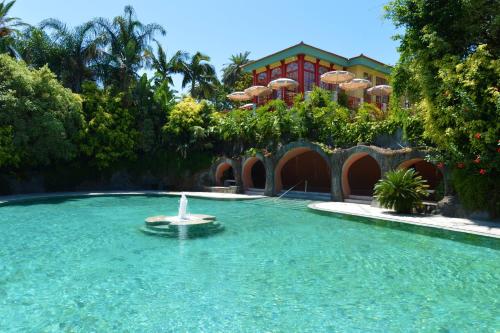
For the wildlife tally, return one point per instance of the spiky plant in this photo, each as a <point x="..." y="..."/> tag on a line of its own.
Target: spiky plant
<point x="401" y="190"/>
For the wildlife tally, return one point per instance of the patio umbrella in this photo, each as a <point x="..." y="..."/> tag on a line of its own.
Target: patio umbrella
<point x="239" y="96"/>
<point x="336" y="77"/>
<point x="356" y="84"/>
<point x="258" y="91"/>
<point x="380" y="90"/>
<point x="248" y="106"/>
<point x="283" y="83"/>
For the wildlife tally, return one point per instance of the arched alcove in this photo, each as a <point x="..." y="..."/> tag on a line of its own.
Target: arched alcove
<point x="224" y="172"/>
<point x="303" y="167"/>
<point x="360" y="173"/>
<point x="254" y="174"/>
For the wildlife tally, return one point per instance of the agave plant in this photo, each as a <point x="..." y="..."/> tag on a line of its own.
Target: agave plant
<point x="401" y="190"/>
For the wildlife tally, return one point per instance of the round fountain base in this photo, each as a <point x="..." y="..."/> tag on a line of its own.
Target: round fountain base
<point x="196" y="225"/>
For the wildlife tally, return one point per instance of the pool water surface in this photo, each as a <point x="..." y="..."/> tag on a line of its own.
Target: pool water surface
<point x="82" y="265"/>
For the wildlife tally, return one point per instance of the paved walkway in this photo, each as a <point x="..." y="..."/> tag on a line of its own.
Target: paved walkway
<point x="206" y="195"/>
<point x="478" y="227"/>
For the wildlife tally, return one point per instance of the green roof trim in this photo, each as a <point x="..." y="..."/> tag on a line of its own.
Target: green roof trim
<point x="312" y="51"/>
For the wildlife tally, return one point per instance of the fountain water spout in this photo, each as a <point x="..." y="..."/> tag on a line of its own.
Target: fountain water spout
<point x="183" y="203"/>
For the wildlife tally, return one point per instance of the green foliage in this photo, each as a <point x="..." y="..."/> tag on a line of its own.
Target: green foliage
<point x="108" y="135"/>
<point x="39" y="118"/>
<point x="9" y="155"/>
<point x="450" y="69"/>
<point x="188" y="125"/>
<point x="232" y="72"/>
<point x="476" y="192"/>
<point x="401" y="190"/>
<point x="8" y="28"/>
<point x="316" y="119"/>
<point x="199" y="75"/>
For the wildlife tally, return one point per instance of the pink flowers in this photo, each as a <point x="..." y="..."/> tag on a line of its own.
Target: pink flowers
<point x="477" y="136"/>
<point x="477" y="160"/>
<point x="440" y="165"/>
<point x="482" y="171"/>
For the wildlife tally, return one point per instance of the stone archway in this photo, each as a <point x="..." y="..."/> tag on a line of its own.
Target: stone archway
<point x="305" y="168"/>
<point x="224" y="172"/>
<point x="254" y="173"/>
<point x="428" y="171"/>
<point x="360" y="173"/>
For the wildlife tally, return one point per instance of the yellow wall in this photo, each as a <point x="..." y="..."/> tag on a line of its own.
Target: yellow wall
<point x="358" y="71"/>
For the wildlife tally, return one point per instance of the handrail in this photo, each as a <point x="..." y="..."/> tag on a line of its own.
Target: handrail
<point x="291" y="188"/>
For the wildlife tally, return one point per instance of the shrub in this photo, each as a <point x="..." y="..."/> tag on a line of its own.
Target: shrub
<point x="401" y="190"/>
<point x="39" y="118"/>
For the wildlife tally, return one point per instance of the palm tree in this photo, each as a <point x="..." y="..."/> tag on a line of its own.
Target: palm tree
<point x="128" y="42"/>
<point x="80" y="49"/>
<point x="8" y="27"/>
<point x="232" y="72"/>
<point x="164" y="67"/>
<point x="200" y="75"/>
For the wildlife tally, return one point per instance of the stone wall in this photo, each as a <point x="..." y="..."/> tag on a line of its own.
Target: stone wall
<point x="338" y="161"/>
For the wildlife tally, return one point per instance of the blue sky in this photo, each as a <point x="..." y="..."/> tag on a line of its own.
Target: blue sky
<point x="225" y="27"/>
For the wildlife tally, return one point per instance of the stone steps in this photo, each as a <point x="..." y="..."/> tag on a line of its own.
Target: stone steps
<point x="318" y="196"/>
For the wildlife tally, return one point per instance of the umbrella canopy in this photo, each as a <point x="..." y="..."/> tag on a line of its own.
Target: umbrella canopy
<point x="381" y="90"/>
<point x="356" y="84"/>
<point x="283" y="83"/>
<point x="248" y="106"/>
<point x="239" y="96"/>
<point x="336" y="77"/>
<point x="258" y="91"/>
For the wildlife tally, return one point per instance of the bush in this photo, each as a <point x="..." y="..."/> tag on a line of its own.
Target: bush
<point x="401" y="190"/>
<point x="39" y="118"/>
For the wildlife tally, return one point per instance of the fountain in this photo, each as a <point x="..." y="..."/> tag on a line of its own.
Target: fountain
<point x="183" y="203"/>
<point x="183" y="225"/>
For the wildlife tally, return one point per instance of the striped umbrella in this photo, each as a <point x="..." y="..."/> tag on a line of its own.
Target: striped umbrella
<point x="283" y="83"/>
<point x="336" y="77"/>
<point x="355" y="84"/>
<point x="380" y="90"/>
<point x="239" y="96"/>
<point x="258" y="91"/>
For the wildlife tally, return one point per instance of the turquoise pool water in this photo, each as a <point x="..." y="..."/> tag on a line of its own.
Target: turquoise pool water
<point x="82" y="265"/>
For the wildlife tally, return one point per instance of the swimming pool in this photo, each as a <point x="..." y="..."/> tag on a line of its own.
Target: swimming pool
<point x="81" y="265"/>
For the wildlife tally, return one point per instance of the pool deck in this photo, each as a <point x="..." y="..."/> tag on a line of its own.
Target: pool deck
<point x="204" y="195"/>
<point x="471" y="226"/>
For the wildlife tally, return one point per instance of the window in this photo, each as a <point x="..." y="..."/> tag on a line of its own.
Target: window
<point x="323" y="70"/>
<point x="309" y="76"/>
<point x="367" y="97"/>
<point x="262" y="79"/>
<point x="276" y="73"/>
<point x="380" y="80"/>
<point x="292" y="71"/>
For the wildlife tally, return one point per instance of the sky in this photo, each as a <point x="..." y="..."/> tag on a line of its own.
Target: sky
<point x="225" y="27"/>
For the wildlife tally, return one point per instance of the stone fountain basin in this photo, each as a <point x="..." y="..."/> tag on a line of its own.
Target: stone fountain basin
<point x="194" y="219"/>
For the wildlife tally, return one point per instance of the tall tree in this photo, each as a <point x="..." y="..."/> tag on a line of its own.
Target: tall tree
<point x="79" y="48"/>
<point x="128" y="41"/>
<point x="165" y="67"/>
<point x="199" y="74"/>
<point x="8" y="27"/>
<point x="450" y="57"/>
<point x="232" y="72"/>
